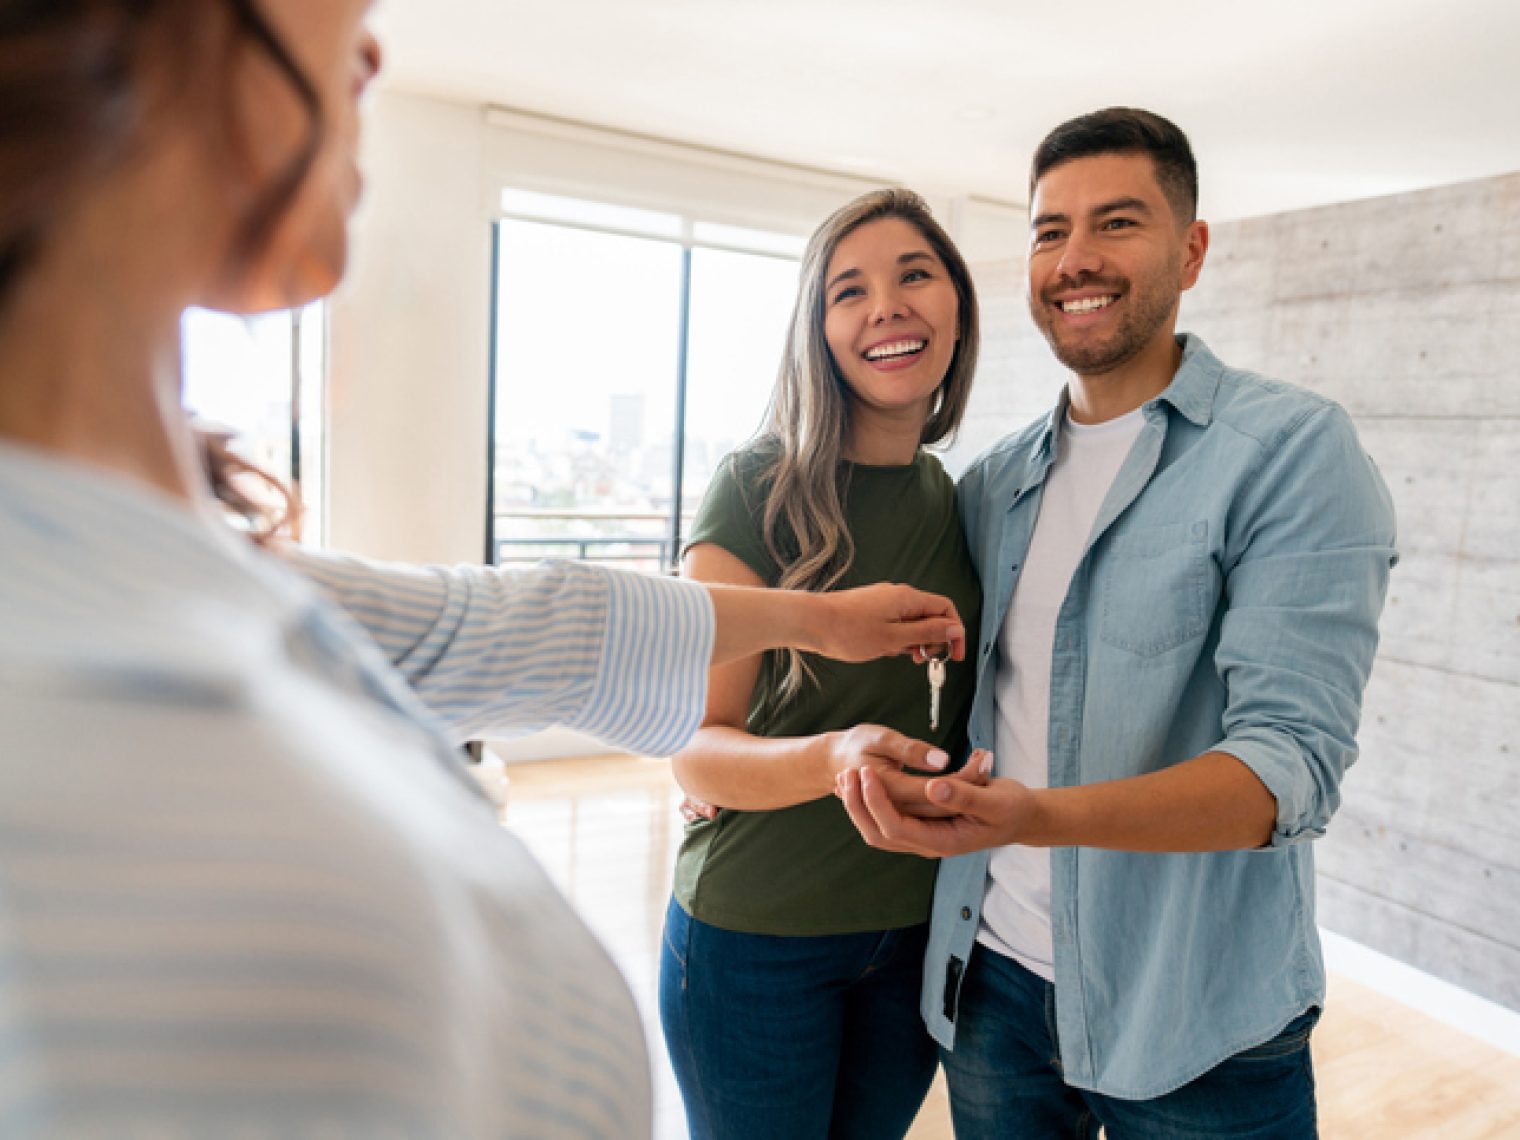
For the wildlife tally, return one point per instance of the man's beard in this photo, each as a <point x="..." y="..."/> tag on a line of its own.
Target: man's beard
<point x="1145" y="314"/>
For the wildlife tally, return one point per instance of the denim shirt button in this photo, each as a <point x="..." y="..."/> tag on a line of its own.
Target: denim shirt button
<point x="966" y="913"/>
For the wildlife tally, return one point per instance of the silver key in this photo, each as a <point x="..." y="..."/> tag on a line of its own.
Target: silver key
<point x="936" y="683"/>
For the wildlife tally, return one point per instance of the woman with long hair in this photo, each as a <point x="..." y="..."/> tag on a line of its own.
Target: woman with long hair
<point x="246" y="886"/>
<point x="791" y="960"/>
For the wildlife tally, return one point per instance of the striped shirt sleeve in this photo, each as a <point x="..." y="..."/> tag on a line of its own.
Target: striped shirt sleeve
<point x="619" y="655"/>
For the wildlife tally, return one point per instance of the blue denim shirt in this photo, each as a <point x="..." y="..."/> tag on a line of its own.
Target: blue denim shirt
<point x="1227" y="601"/>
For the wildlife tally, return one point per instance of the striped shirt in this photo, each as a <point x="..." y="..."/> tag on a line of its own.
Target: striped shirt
<point x="246" y="888"/>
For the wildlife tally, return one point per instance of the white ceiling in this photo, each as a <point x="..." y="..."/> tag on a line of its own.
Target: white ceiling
<point x="1289" y="103"/>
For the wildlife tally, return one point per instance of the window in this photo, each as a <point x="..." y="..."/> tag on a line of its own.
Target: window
<point x="633" y="350"/>
<point x="263" y="378"/>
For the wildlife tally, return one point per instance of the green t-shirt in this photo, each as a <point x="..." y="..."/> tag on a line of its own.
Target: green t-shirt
<point x="804" y="870"/>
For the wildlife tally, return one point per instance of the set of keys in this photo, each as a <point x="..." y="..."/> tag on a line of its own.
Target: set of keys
<point x="936" y="664"/>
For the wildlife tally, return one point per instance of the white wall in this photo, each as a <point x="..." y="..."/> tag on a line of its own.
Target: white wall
<point x="410" y="339"/>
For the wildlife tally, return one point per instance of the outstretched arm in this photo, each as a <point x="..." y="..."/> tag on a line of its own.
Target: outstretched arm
<point x="620" y="655"/>
<point x="863" y="624"/>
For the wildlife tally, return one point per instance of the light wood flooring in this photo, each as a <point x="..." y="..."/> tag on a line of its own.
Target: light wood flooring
<point x="606" y="828"/>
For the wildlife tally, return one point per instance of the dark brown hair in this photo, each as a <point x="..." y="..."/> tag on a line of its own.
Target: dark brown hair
<point x="259" y="503"/>
<point x="78" y="80"/>
<point x="1126" y="130"/>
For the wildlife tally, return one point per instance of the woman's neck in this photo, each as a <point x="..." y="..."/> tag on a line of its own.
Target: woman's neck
<point x="90" y="372"/>
<point x="879" y="440"/>
<point x="89" y="339"/>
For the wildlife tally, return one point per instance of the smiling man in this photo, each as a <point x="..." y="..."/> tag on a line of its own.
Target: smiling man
<point x="1184" y="564"/>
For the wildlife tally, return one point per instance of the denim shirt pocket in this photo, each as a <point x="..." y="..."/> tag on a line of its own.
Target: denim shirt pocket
<point x="1156" y="588"/>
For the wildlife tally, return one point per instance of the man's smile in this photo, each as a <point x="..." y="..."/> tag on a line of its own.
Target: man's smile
<point x="1087" y="304"/>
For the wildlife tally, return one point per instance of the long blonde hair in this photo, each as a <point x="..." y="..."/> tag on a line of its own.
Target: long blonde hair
<point x="809" y="418"/>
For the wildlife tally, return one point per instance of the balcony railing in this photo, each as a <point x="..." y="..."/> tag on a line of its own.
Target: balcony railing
<point x="635" y="540"/>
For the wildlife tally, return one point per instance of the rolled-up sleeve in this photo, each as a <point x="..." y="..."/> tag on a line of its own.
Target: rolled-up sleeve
<point x="1313" y="546"/>
<point x="619" y="655"/>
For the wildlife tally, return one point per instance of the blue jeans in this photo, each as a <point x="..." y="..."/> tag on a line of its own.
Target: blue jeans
<point x="1005" y="1076"/>
<point x="795" y="1037"/>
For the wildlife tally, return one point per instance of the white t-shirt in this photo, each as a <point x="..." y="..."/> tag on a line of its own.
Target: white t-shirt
<point x="1016" y="910"/>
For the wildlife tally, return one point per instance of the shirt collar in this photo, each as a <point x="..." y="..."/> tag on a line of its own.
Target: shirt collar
<point x="1196" y="383"/>
<point x="1191" y="393"/>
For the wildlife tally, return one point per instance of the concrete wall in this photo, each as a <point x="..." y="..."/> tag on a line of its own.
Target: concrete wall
<point x="1407" y="311"/>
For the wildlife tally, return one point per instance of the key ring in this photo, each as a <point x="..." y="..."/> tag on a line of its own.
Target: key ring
<point x="923" y="651"/>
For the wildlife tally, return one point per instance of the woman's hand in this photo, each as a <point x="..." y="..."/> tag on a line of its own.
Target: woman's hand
<point x="886" y="620"/>
<point x="862" y="624"/>
<point x="873" y="746"/>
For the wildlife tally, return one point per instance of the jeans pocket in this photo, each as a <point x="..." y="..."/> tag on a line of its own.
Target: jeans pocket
<point x="1156" y="588"/>
<point x="1293" y="1038"/>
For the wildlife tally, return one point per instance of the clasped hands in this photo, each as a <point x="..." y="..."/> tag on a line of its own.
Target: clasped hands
<point x="951" y="814"/>
<point x="886" y="780"/>
<point x="899" y="761"/>
<point x="889" y="786"/>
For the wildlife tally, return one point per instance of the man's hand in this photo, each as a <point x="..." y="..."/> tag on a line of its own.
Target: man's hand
<point x="885" y="620"/>
<point x="884" y="811"/>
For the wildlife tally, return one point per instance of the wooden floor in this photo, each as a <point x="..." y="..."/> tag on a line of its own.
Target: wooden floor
<point x="607" y="830"/>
